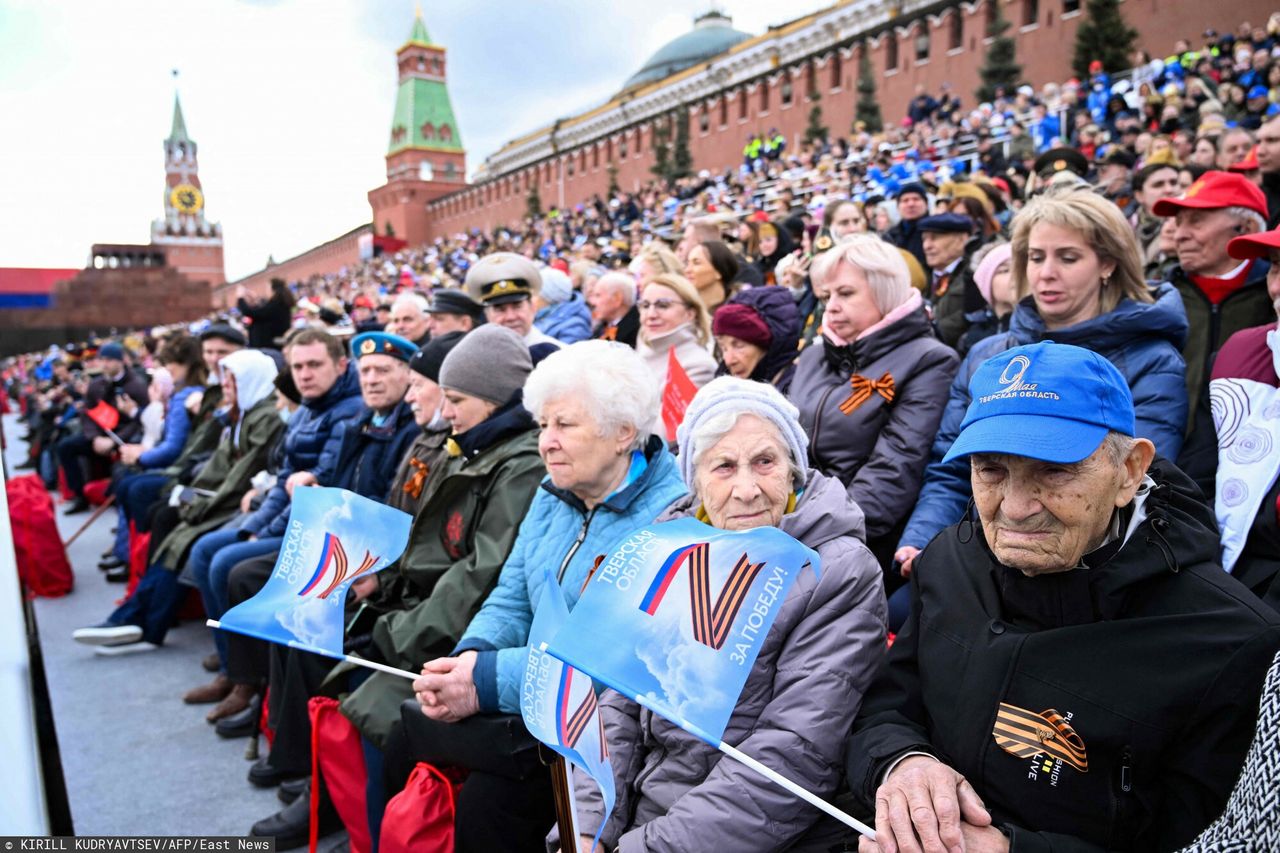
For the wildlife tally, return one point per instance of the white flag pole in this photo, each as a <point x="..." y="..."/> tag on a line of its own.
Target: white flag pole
<point x="368" y="664"/>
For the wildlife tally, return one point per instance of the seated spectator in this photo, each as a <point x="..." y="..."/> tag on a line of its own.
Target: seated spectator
<point x="595" y="403"/>
<point x="913" y="205"/>
<point x="613" y="307"/>
<point x="653" y="260"/>
<point x="505" y="284"/>
<point x="140" y="485"/>
<point x="453" y="311"/>
<point x="141" y="622"/>
<point x="410" y="318"/>
<point x="673" y="317"/>
<point x="91" y="446"/>
<point x="1075" y="264"/>
<point x="992" y="270"/>
<point x="775" y="244"/>
<point x="712" y="268"/>
<point x="871" y="396"/>
<point x="757" y="333"/>
<point x="945" y="237"/>
<point x="984" y="730"/>
<point x="843" y="218"/>
<point x="1221" y="295"/>
<point x="1150" y="184"/>
<point x="561" y="313"/>
<point x="675" y="791"/>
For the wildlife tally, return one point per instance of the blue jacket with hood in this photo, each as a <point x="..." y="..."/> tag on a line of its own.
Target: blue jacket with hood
<point x="568" y="322"/>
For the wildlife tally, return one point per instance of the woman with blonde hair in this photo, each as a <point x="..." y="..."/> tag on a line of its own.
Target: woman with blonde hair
<point x="654" y="259"/>
<point x="871" y="396"/>
<point x="673" y="318"/>
<point x="1077" y="272"/>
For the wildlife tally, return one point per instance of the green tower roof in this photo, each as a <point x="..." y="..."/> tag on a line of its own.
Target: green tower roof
<point x="179" y="131"/>
<point x="424" y="115"/>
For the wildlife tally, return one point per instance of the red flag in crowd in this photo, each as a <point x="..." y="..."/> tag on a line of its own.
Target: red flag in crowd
<point x="104" y="415"/>
<point x="677" y="395"/>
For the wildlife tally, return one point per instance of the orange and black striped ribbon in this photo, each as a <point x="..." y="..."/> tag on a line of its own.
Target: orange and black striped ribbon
<point x="863" y="388"/>
<point x="711" y="622"/>
<point x="1025" y="733"/>
<point x="413" y="486"/>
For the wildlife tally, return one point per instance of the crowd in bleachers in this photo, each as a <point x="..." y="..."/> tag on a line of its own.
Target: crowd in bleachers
<point x="845" y="309"/>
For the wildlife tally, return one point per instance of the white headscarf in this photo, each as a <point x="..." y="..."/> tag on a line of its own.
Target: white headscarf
<point x="255" y="374"/>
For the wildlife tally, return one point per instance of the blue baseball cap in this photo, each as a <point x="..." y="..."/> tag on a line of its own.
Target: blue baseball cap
<point x="1047" y="401"/>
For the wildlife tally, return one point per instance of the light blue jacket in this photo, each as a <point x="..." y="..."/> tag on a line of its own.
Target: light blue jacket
<point x="177" y="424"/>
<point x="558" y="531"/>
<point x="1142" y="339"/>
<point x="568" y="322"/>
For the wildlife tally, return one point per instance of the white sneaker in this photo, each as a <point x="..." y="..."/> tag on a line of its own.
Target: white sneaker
<point x="126" y="649"/>
<point x="107" y="635"/>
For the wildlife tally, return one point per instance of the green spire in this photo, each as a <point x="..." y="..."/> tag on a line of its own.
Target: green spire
<point x="419" y="34"/>
<point x="179" y="131"/>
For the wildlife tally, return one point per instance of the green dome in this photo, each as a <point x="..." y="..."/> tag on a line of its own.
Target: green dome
<point x="712" y="35"/>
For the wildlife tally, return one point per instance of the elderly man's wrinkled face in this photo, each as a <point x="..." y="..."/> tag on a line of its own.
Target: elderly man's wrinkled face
<point x="408" y="321"/>
<point x="941" y="248"/>
<point x="1202" y="237"/>
<point x="424" y="398"/>
<point x="383" y="381"/>
<point x="744" y="479"/>
<point x="1042" y="517"/>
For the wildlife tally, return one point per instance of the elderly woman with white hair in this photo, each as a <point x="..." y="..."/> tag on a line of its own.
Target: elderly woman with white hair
<point x="744" y="458"/>
<point x="607" y="474"/>
<point x="872" y="395"/>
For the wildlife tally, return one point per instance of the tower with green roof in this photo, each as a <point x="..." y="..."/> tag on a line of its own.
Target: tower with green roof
<point x="425" y="157"/>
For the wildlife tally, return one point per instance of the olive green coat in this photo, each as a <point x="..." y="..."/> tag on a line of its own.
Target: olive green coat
<point x="227" y="475"/>
<point x="461" y="537"/>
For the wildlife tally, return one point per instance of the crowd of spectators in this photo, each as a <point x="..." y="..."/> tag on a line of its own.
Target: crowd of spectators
<point x="849" y="310"/>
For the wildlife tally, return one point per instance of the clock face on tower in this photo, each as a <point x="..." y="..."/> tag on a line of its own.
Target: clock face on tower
<point x="186" y="198"/>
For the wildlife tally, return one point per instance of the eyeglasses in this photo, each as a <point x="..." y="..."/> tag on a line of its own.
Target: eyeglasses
<point x="656" y="305"/>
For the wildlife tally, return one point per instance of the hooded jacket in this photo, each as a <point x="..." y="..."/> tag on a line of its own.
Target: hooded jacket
<point x="560" y="531"/>
<point x="1143" y="340"/>
<point x="674" y="791"/>
<point x="1151" y="656"/>
<point x="777" y="307"/>
<point x="879" y="448"/>
<point x="568" y="322"/>
<point x="312" y="444"/>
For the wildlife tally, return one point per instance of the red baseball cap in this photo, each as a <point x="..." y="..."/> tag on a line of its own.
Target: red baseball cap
<point x="1215" y="190"/>
<point x="1248" y="164"/>
<point x="1254" y="245"/>
<point x="362" y="301"/>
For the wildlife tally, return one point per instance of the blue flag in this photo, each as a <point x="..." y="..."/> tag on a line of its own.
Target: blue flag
<point x="559" y="705"/>
<point x="682" y="646"/>
<point x="333" y="537"/>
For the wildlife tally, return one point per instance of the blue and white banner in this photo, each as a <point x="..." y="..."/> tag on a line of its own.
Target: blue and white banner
<point x="682" y="647"/>
<point x="559" y="705"/>
<point x="333" y="538"/>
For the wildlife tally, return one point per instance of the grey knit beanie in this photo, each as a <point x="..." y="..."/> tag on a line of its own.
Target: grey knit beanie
<point x="491" y="363"/>
<point x="742" y="396"/>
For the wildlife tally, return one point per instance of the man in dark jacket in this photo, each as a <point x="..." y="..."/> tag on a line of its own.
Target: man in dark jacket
<point x="1221" y="294"/>
<point x="913" y="205"/>
<point x="76" y="451"/>
<point x="946" y="238"/>
<point x="1269" y="166"/>
<point x="613" y="308"/>
<point x="1078" y="673"/>
<point x="375" y="442"/>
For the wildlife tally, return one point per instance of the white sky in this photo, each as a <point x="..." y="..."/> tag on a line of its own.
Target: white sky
<point x="289" y="100"/>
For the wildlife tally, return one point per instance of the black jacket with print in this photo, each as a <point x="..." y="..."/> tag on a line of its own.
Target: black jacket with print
<point x="1152" y="659"/>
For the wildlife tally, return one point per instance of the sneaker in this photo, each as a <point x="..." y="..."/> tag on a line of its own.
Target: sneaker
<point x="107" y="635"/>
<point x="126" y="649"/>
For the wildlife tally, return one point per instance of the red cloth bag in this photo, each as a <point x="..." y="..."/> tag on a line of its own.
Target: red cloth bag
<point x="43" y="568"/>
<point x="95" y="491"/>
<point x="139" y="543"/>
<point x="420" y="819"/>
<point x="338" y="758"/>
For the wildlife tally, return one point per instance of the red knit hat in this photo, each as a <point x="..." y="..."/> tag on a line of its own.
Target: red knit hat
<point x="742" y="322"/>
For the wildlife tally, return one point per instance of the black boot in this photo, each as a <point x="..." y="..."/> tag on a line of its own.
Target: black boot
<point x="112" y="562"/>
<point x="77" y="506"/>
<point x="291" y="826"/>
<point x="120" y="575"/>
<point x="241" y="724"/>
<point x="291" y="789"/>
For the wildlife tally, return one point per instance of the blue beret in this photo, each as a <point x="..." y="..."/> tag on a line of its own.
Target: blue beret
<point x="384" y="343"/>
<point x="946" y="223"/>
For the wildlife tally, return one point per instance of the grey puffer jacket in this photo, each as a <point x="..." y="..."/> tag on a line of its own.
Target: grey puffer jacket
<point x="827" y="643"/>
<point x="880" y="448"/>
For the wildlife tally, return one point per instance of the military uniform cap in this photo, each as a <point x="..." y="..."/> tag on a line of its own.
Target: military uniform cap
<point x="501" y="278"/>
<point x="382" y="343"/>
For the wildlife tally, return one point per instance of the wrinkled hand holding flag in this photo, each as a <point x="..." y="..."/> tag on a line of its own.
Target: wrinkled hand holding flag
<point x="333" y="538"/>
<point x="686" y="608"/>
<point x="558" y="702"/>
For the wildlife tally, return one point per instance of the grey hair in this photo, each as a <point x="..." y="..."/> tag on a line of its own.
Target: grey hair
<point x="1240" y="212"/>
<point x="708" y="432"/>
<point x="887" y="275"/>
<point x="619" y="282"/>
<point x="415" y="299"/>
<point x="1118" y="446"/>
<point x="611" y="381"/>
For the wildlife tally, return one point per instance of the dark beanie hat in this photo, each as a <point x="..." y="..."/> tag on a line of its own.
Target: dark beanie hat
<point x="742" y="322"/>
<point x="491" y="363"/>
<point x="285" y="385"/>
<point x="913" y="188"/>
<point x="427" y="360"/>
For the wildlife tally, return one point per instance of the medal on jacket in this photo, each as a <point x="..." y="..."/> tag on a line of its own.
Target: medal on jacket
<point x="1024" y="734"/>
<point x="863" y="388"/>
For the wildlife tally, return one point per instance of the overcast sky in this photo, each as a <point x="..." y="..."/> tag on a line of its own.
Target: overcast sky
<point x="289" y="101"/>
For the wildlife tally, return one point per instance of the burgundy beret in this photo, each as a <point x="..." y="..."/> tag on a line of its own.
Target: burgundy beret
<point x="742" y="322"/>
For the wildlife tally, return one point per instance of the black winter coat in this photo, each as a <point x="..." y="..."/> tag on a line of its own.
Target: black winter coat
<point x="1153" y="656"/>
<point x="267" y="321"/>
<point x="370" y="456"/>
<point x="880" y="448"/>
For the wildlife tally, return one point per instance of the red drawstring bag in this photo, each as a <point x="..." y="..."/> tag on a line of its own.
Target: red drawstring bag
<point x="338" y="758"/>
<point x="95" y="491"/>
<point x="64" y="491"/>
<point x="420" y="819"/>
<point x="43" y="569"/>
<point x="264" y="725"/>
<point x="139" y="543"/>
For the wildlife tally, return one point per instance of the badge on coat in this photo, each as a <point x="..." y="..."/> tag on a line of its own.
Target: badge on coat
<point x="1048" y="734"/>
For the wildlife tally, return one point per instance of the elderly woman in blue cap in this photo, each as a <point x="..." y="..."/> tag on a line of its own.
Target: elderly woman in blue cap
<point x="1077" y="671"/>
